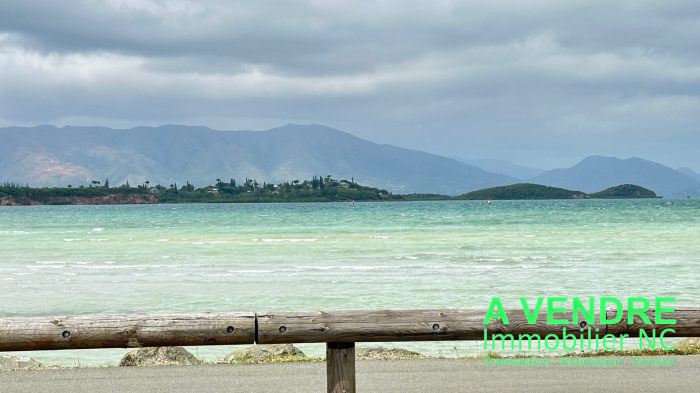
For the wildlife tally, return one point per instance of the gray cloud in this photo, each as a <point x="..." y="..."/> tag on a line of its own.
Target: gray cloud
<point x="542" y="83"/>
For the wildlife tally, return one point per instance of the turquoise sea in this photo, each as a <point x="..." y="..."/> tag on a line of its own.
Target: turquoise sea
<point x="57" y="260"/>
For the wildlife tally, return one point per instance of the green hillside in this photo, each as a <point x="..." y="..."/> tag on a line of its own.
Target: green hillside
<point x="530" y="191"/>
<point x="624" y="191"/>
<point x="317" y="189"/>
<point x="523" y="191"/>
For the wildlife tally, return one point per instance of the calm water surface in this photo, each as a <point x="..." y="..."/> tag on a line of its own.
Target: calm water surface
<point x="258" y="257"/>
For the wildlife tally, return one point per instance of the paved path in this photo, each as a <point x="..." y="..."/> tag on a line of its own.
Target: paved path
<point x="405" y="376"/>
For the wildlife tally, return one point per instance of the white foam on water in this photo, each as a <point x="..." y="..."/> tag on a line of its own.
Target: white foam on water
<point x="217" y="275"/>
<point x="135" y="267"/>
<point x="484" y="267"/>
<point x="251" y="271"/>
<point x="16" y="233"/>
<point x="71" y="240"/>
<point x="282" y="240"/>
<point x="98" y="229"/>
<point x="351" y="267"/>
<point x="46" y="267"/>
<point x="360" y="267"/>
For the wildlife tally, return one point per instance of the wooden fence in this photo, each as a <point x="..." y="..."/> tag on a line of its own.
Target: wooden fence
<point x="340" y="330"/>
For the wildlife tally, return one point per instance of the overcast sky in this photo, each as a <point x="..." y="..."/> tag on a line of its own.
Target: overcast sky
<point x="541" y="83"/>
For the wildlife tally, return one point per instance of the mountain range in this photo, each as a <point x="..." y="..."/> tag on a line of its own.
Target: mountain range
<point x="689" y="172"/>
<point x="597" y="172"/>
<point x="51" y="156"/>
<point x="46" y="155"/>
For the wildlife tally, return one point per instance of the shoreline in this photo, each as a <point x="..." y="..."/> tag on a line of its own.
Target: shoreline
<point x="327" y="190"/>
<point x="5" y="203"/>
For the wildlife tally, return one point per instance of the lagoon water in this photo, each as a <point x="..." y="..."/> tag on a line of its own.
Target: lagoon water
<point x="58" y="260"/>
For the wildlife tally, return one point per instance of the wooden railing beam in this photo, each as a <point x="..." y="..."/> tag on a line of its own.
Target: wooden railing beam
<point x="400" y="325"/>
<point x="124" y="331"/>
<point x="121" y="331"/>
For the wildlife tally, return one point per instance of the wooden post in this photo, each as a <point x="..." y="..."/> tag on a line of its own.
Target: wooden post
<point x="340" y="367"/>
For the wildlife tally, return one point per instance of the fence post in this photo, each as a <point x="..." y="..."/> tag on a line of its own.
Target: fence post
<point x="340" y="367"/>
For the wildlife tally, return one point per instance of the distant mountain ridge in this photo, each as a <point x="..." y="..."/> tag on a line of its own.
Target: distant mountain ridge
<point x="46" y="155"/>
<point x="689" y="172"/>
<point x="50" y="156"/>
<point x="598" y="172"/>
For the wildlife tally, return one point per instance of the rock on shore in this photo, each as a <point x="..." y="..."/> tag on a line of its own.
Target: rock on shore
<point x="383" y="353"/>
<point x="8" y="363"/>
<point x="160" y="356"/>
<point x="264" y="353"/>
<point x="690" y="342"/>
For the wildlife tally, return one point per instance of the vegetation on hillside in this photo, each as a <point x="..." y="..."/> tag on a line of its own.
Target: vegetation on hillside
<point x="317" y="189"/>
<point x="66" y="195"/>
<point x="624" y="191"/>
<point x="536" y="191"/>
<point x="523" y="191"/>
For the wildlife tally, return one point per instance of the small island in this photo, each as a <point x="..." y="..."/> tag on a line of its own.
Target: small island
<point x="528" y="191"/>
<point x="624" y="191"/>
<point x="317" y="189"/>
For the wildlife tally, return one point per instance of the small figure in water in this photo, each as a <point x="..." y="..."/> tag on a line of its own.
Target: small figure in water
<point x="489" y="201"/>
<point x="353" y="202"/>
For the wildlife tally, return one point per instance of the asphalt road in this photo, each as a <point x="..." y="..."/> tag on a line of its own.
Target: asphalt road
<point x="405" y="376"/>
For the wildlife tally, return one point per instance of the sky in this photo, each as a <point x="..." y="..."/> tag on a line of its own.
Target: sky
<point x="541" y="83"/>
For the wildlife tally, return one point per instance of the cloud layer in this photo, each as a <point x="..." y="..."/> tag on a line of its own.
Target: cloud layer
<point x="543" y="83"/>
